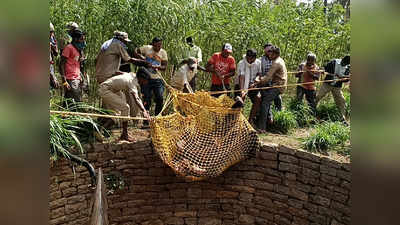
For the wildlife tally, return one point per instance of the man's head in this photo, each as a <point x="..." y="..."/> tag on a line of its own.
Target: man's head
<point x="192" y="63"/>
<point x="267" y="49"/>
<point x="78" y="39"/>
<point x="157" y="44"/>
<point x="189" y="41"/>
<point x="122" y="36"/>
<point x="311" y="58"/>
<point x="345" y="61"/>
<point x="226" y="50"/>
<point x="275" y="52"/>
<point x="251" y="55"/>
<point x="72" y="26"/>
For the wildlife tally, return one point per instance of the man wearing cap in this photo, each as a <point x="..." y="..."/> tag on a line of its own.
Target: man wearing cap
<point x="110" y="90"/>
<point x="67" y="38"/>
<point x="108" y="62"/>
<point x="182" y="77"/>
<point x="158" y="58"/>
<point x="70" y="66"/>
<point x="277" y="76"/>
<point x="222" y="66"/>
<point x="308" y="73"/>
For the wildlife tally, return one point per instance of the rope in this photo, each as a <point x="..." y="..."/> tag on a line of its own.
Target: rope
<point x="211" y="92"/>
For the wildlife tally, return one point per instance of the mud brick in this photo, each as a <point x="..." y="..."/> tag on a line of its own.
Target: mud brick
<point x="207" y="213"/>
<point x="320" y="200"/>
<point x="341" y="208"/>
<point x="318" y="218"/>
<point x="310" y="173"/>
<point x="328" y="170"/>
<point x="288" y="167"/>
<point x="240" y="188"/>
<point x="57" y="203"/>
<point x="302" y="213"/>
<point x="346" y="166"/>
<point x="69" y="192"/>
<point x="298" y="194"/>
<point x="251" y="175"/>
<point x="59" y="220"/>
<point x="259" y="184"/>
<point x="269" y="147"/>
<point x="56" y="213"/>
<point x="174" y="221"/>
<point x="267" y="155"/>
<point x="288" y="158"/>
<point x="290" y="176"/>
<point x="273" y="180"/>
<point x="191" y="221"/>
<point x="246" y="219"/>
<point x="194" y="193"/>
<point x="308" y="156"/>
<point x="330" y="179"/>
<point x="263" y="201"/>
<point x="309" y="164"/>
<point x="339" y="197"/>
<point x="281" y="220"/>
<point x="273" y="164"/>
<point x="227" y="194"/>
<point x="286" y="150"/>
<point x="345" y="175"/>
<point x="295" y="203"/>
<point x="261" y="221"/>
<point x="245" y="197"/>
<point x="346" y="185"/>
<point x="330" y="162"/>
<point x="75" y="207"/>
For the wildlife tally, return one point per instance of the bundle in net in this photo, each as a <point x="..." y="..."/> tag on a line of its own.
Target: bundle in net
<point x="204" y="136"/>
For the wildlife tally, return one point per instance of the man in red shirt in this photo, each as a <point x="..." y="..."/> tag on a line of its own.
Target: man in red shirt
<point x="70" y="66"/>
<point x="222" y="66"/>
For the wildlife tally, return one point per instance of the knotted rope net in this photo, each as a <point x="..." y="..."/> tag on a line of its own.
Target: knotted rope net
<point x="203" y="136"/>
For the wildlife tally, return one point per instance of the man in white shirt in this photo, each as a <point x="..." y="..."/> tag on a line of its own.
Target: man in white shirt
<point x="182" y="77"/>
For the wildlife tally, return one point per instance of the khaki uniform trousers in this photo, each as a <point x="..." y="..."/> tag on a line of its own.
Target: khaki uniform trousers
<point x="337" y="96"/>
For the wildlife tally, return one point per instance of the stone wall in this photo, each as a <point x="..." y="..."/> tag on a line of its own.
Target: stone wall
<point x="281" y="186"/>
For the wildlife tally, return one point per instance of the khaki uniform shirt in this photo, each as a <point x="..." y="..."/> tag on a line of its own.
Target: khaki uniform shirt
<point x="154" y="57"/>
<point x="277" y="74"/>
<point x="108" y="61"/>
<point x="124" y="82"/>
<point x="183" y="76"/>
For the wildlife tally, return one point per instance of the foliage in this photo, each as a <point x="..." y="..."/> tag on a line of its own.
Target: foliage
<point x="302" y="112"/>
<point x="328" y="111"/>
<point x="243" y="23"/>
<point x="69" y="132"/>
<point x="326" y="136"/>
<point x="115" y="181"/>
<point x="284" y="121"/>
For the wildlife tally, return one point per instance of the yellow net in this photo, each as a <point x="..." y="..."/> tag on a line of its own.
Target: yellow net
<point x="204" y="136"/>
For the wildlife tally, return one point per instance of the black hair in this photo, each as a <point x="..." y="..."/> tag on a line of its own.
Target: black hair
<point x="77" y="34"/>
<point x="156" y="39"/>
<point x="251" y="52"/>
<point x="346" y="60"/>
<point x="268" y="45"/>
<point x="276" y="50"/>
<point x="189" y="39"/>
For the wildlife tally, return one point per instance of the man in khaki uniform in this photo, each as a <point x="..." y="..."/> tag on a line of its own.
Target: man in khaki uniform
<point x="109" y="91"/>
<point x="108" y="62"/>
<point x="182" y="77"/>
<point x="277" y="75"/>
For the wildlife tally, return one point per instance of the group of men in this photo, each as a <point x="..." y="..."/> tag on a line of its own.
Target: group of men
<point x="125" y="92"/>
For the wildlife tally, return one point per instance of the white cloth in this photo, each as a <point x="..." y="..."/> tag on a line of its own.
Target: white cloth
<point x="249" y="71"/>
<point x="183" y="76"/>
<point x="339" y="69"/>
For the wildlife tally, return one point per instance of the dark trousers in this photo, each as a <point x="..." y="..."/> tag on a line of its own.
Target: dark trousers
<point x="220" y="88"/>
<point x="193" y="83"/>
<point x="75" y="92"/>
<point x="311" y="96"/>
<point x="267" y="96"/>
<point x="156" y="87"/>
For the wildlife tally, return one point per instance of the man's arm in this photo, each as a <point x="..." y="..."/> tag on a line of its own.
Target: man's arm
<point x="137" y="54"/>
<point x="62" y="72"/>
<point x="140" y="104"/>
<point x="274" y="68"/>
